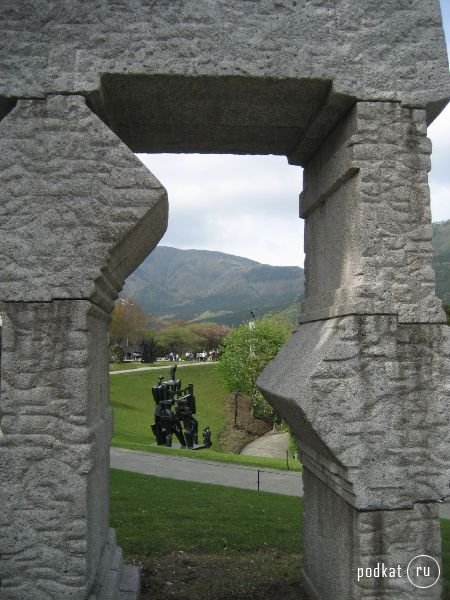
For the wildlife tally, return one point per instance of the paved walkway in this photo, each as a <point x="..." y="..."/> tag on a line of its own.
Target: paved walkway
<point x="205" y="471"/>
<point x="163" y="367"/>
<point x="274" y="445"/>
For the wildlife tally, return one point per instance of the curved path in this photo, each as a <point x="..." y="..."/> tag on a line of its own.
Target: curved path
<point x="179" y="366"/>
<point x="274" y="445"/>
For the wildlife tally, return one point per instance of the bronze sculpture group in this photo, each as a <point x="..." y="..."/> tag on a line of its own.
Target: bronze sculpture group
<point x="174" y="414"/>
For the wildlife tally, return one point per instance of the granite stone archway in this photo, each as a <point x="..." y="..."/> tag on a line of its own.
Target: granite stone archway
<point x="344" y="89"/>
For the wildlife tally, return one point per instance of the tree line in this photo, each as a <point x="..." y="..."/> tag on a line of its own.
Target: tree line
<point x="131" y="327"/>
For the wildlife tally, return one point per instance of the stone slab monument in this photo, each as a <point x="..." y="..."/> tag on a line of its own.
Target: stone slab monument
<point x="346" y="89"/>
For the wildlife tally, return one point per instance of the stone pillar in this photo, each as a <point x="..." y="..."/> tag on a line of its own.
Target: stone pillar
<point x="78" y="212"/>
<point x="362" y="381"/>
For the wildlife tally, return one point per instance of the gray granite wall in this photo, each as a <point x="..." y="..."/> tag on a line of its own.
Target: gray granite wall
<point x="345" y="89"/>
<point x="368" y="222"/>
<point x="345" y="547"/>
<point x="78" y="213"/>
<point x="380" y="50"/>
<point x="54" y="454"/>
<point x="363" y="382"/>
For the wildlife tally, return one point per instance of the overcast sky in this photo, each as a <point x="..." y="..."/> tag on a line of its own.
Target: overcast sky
<point x="248" y="205"/>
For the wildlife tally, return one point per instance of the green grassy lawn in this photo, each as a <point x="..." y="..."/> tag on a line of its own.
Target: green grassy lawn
<point x="156" y="515"/>
<point x="201" y="541"/>
<point x="169" y="519"/>
<point x="131" y="397"/>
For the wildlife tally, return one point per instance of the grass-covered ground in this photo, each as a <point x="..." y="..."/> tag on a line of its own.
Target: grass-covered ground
<point x="202" y="541"/>
<point x="131" y="397"/>
<point x="154" y="515"/>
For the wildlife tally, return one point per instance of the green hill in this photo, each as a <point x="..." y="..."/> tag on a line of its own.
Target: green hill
<point x="202" y="285"/>
<point x="441" y="259"/>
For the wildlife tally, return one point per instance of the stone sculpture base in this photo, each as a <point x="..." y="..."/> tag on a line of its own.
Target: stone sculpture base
<point x="180" y="447"/>
<point x="340" y="539"/>
<point x="115" y="580"/>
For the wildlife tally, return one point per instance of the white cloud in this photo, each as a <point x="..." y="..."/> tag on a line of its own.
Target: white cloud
<point x="439" y="178"/>
<point x="244" y="205"/>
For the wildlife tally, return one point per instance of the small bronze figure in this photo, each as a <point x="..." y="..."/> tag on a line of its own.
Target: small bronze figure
<point x="207" y="437"/>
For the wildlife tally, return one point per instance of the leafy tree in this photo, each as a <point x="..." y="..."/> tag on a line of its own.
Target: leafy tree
<point x="246" y="350"/>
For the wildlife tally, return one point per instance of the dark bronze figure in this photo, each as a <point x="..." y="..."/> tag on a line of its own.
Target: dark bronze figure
<point x="207" y="437"/>
<point x="174" y="413"/>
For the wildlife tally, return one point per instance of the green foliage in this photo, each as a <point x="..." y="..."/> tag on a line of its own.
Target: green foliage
<point x="181" y="337"/>
<point x="198" y="522"/>
<point x="245" y="352"/>
<point x="293" y="449"/>
<point x="211" y="334"/>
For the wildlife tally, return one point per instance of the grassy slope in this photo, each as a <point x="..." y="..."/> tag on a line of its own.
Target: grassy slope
<point x="155" y="516"/>
<point x="133" y="404"/>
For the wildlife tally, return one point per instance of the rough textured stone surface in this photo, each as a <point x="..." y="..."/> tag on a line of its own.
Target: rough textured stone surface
<point x="78" y="210"/>
<point x="341" y="539"/>
<point x="345" y="88"/>
<point x="54" y="459"/>
<point x="368" y="221"/>
<point x="368" y="400"/>
<point x="114" y="580"/>
<point x="384" y="49"/>
<point x="363" y="383"/>
<point x="350" y="49"/>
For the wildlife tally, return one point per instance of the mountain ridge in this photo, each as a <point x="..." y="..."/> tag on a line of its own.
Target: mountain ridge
<point x="185" y="284"/>
<point x="200" y="285"/>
